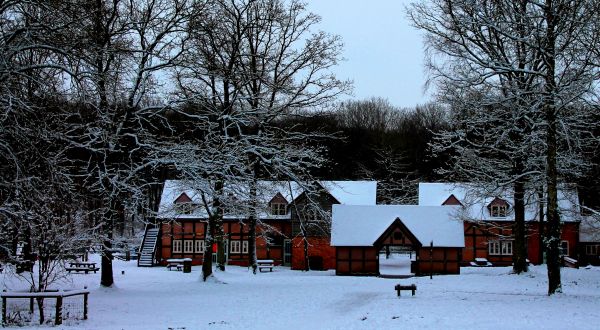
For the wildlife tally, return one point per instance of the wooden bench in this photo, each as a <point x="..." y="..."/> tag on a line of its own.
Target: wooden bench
<point x="400" y="287"/>
<point x="177" y="263"/>
<point x="265" y="264"/>
<point x="82" y="269"/>
<point x="177" y="266"/>
<point x="570" y="262"/>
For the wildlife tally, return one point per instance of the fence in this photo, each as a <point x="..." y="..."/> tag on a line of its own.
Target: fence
<point x="22" y="308"/>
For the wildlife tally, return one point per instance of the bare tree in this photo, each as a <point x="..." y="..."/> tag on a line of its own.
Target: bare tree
<point x="125" y="45"/>
<point x="500" y="72"/>
<point x="254" y="63"/>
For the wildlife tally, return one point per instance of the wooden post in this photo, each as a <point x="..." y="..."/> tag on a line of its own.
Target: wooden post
<point x="31" y="305"/>
<point x="4" y="310"/>
<point x="431" y="260"/>
<point x="85" y="305"/>
<point x="58" y="318"/>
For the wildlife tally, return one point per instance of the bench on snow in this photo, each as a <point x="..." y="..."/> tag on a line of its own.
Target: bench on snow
<point x="481" y="262"/>
<point x="400" y="287"/>
<point x="177" y="263"/>
<point x="570" y="262"/>
<point x="78" y="269"/>
<point x="265" y="264"/>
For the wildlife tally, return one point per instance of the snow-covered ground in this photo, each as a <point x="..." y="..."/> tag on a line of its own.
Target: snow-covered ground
<point x="479" y="298"/>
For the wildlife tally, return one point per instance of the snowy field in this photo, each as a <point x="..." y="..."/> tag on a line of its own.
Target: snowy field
<point x="479" y="298"/>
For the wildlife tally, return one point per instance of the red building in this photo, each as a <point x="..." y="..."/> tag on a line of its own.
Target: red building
<point x="488" y="221"/>
<point x="431" y="234"/>
<point x="290" y="222"/>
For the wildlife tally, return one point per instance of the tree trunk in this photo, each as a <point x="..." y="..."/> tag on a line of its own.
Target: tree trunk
<point x="553" y="225"/>
<point x="519" y="248"/>
<point x="106" y="270"/>
<point x="208" y="249"/>
<point x="252" y="220"/>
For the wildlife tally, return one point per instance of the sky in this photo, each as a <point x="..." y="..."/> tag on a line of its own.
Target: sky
<point x="384" y="54"/>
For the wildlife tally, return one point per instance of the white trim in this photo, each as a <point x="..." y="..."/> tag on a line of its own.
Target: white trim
<point x="176" y="246"/>
<point x="188" y="246"/>
<point x="199" y="246"/>
<point x="245" y="247"/>
<point x="235" y="247"/>
<point x="494" y="248"/>
<point x="500" y="248"/>
<point x="592" y="249"/>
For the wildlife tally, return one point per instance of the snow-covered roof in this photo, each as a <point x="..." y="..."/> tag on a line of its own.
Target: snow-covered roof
<point x="345" y="192"/>
<point x="354" y="225"/>
<point x="352" y="192"/>
<point x="589" y="229"/>
<point x="476" y="201"/>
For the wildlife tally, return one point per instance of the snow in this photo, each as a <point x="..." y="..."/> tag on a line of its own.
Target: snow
<point x="345" y="192"/>
<point x="476" y="201"/>
<point x="589" y="229"/>
<point x="354" y="225"/>
<point x="479" y="298"/>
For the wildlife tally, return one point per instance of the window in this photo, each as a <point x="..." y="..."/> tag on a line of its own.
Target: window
<point x="494" y="247"/>
<point x="199" y="246"/>
<point x="507" y="248"/>
<point x="498" y="211"/>
<point x="176" y="246"/>
<point x="591" y="250"/>
<point x="188" y="246"/>
<point x="500" y="248"/>
<point x="278" y="209"/>
<point x="564" y="248"/>
<point x="184" y="208"/>
<point x="235" y="247"/>
<point x="244" y="246"/>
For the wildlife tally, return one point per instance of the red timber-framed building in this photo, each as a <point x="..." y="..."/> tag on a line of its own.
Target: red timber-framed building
<point x="488" y="221"/>
<point x="290" y="222"/>
<point x="359" y="233"/>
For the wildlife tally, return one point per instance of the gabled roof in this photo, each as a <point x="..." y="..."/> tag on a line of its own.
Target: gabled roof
<point x="346" y="192"/>
<point x="354" y="225"/>
<point x="476" y="200"/>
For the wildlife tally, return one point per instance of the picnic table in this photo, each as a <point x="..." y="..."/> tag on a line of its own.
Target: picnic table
<point x="82" y="266"/>
<point x="178" y="264"/>
<point x="265" y="264"/>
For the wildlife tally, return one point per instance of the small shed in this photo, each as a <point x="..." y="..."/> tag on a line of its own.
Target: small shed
<point x="359" y="233"/>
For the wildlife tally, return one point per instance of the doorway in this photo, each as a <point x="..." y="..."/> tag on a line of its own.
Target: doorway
<point x="396" y="260"/>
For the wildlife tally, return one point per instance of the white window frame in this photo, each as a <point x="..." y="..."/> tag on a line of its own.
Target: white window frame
<point x="245" y="247"/>
<point x="561" y="250"/>
<point x="278" y="209"/>
<point x="498" y="211"/>
<point x="199" y="246"/>
<point x="506" y="248"/>
<point x="494" y="248"/>
<point x="176" y="246"/>
<point x="188" y="246"/>
<point x="500" y="248"/>
<point x="592" y="249"/>
<point x="235" y="246"/>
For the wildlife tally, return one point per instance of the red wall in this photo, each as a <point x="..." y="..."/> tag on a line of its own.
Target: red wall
<point x="476" y="246"/>
<point x="317" y="246"/>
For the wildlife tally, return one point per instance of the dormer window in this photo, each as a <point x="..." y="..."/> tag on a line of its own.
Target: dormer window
<point x="278" y="209"/>
<point x="278" y="205"/>
<point x="184" y="208"/>
<point x="183" y="204"/>
<point x="498" y="208"/>
<point x="498" y="211"/>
